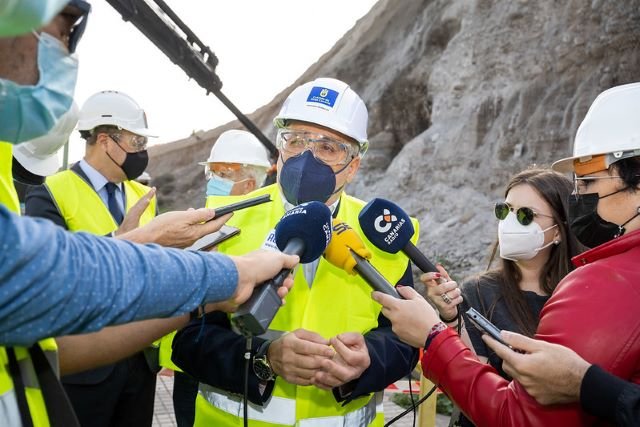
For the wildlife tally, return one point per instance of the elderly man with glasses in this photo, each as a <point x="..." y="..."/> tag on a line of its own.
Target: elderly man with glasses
<point x="328" y="350"/>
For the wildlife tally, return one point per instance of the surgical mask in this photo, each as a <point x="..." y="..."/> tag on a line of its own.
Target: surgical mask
<point x="217" y="186"/>
<point x="520" y="242"/>
<point x="303" y="178"/>
<point x="589" y="227"/>
<point x="29" y="112"/>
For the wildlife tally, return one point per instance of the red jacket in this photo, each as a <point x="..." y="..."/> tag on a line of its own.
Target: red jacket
<point x="595" y="311"/>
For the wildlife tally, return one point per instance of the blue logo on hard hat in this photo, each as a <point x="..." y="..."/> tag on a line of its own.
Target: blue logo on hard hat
<point x="322" y="95"/>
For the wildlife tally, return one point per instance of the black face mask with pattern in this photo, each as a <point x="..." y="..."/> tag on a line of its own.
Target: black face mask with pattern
<point x="589" y="227"/>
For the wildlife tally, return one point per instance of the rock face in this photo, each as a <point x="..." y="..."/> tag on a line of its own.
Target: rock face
<point x="462" y="94"/>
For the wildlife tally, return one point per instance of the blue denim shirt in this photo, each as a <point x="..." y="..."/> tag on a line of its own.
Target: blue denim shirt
<point x="55" y="283"/>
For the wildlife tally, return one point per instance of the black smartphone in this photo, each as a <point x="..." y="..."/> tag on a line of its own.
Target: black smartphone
<point x="485" y="326"/>
<point x="223" y="210"/>
<point x="210" y="240"/>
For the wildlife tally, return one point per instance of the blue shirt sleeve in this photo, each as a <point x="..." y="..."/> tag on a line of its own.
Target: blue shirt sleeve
<point x="55" y="283"/>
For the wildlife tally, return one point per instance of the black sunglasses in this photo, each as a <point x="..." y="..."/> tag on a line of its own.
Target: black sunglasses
<point x="524" y="215"/>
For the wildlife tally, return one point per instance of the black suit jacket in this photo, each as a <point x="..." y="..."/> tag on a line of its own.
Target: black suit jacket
<point x="40" y="203"/>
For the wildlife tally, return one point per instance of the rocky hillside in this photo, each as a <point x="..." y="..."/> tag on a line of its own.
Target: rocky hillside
<point x="461" y="94"/>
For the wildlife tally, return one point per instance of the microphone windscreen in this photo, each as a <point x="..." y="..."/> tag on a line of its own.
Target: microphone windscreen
<point x="386" y="225"/>
<point x="343" y="241"/>
<point x="310" y="222"/>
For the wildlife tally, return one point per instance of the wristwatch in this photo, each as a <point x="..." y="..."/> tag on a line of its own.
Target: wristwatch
<point x="261" y="366"/>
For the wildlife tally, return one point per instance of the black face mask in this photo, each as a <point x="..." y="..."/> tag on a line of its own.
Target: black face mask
<point x="589" y="227"/>
<point x="134" y="164"/>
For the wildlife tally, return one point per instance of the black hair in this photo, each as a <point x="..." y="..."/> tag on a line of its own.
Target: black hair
<point x="629" y="171"/>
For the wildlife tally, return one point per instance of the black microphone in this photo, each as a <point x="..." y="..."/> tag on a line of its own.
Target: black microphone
<point x="305" y="231"/>
<point x="389" y="228"/>
<point x="348" y="252"/>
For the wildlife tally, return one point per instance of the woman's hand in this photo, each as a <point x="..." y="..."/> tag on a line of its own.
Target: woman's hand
<point x="411" y="318"/>
<point x="443" y="292"/>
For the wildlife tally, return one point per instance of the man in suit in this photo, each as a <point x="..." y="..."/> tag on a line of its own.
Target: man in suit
<point x="98" y="195"/>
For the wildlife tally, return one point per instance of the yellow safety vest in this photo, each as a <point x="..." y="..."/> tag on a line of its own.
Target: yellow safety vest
<point x="37" y="408"/>
<point x="83" y="209"/>
<point x="8" y="194"/>
<point x="336" y="303"/>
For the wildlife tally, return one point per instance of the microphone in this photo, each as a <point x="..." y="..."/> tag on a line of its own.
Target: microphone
<point x="348" y="252"/>
<point x="389" y="228"/>
<point x="305" y="231"/>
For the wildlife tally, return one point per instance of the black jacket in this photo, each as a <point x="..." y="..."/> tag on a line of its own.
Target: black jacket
<point x="606" y="396"/>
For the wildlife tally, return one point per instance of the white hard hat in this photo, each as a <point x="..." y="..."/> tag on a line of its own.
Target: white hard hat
<point x="238" y="146"/>
<point x="40" y="155"/>
<point x="113" y="108"/>
<point x="609" y="132"/>
<point x="330" y="103"/>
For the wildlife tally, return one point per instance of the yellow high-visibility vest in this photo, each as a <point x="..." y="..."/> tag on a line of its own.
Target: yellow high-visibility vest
<point x="83" y="209"/>
<point x="37" y="408"/>
<point x="336" y="303"/>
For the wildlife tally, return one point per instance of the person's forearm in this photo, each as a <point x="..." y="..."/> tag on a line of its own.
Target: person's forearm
<point x="87" y="351"/>
<point x="482" y="394"/>
<point x="55" y="283"/>
<point x="139" y="235"/>
<point x="600" y="393"/>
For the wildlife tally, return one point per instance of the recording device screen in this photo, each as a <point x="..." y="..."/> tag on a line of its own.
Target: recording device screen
<point x="485" y="326"/>
<point x="210" y="240"/>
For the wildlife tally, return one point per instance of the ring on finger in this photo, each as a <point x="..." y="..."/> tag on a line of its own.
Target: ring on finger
<point x="446" y="298"/>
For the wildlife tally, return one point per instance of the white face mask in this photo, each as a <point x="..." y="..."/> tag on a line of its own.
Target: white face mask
<point x="520" y="242"/>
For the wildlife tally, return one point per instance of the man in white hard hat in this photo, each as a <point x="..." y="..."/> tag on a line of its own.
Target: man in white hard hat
<point x="98" y="195"/>
<point x="593" y="310"/>
<point x="36" y="159"/>
<point x="237" y="165"/>
<point x="329" y="349"/>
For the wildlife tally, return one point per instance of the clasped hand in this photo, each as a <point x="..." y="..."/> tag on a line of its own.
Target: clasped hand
<point x="305" y="358"/>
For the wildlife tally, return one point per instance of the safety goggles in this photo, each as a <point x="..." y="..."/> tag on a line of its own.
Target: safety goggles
<point x="524" y="215"/>
<point x="136" y="142"/>
<point x="580" y="183"/>
<point x="83" y="8"/>
<point x="232" y="172"/>
<point x="324" y="148"/>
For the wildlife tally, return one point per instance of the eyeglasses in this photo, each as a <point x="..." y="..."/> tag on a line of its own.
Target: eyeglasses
<point x="80" y="23"/>
<point x="324" y="148"/>
<point x="524" y="215"/>
<point x="136" y="142"/>
<point x="580" y="183"/>
<point x="232" y="172"/>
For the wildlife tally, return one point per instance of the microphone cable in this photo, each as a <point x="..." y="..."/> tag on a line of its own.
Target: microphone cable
<point x="245" y="395"/>
<point x="426" y="396"/>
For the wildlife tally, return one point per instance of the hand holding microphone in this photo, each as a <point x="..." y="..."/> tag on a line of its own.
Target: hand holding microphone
<point x="305" y="231"/>
<point x="348" y="252"/>
<point x="389" y="228"/>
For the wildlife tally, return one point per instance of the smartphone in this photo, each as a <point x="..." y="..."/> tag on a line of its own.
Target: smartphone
<point x="210" y="240"/>
<point x="223" y="210"/>
<point x="485" y="326"/>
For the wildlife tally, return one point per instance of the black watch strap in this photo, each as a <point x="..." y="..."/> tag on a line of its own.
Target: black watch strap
<point x="261" y="366"/>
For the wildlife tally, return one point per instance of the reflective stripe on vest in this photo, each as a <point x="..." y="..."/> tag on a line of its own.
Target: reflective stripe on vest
<point x="8" y="195"/>
<point x="9" y="411"/>
<point x="336" y="303"/>
<point x="8" y="404"/>
<point x="83" y="209"/>
<point x="283" y="411"/>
